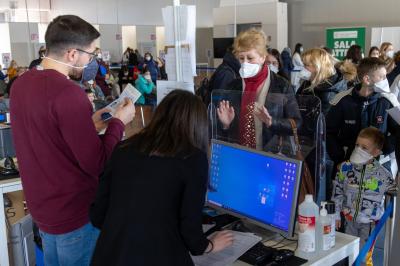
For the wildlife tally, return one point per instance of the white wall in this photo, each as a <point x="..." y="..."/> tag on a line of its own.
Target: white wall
<point x="160" y="41"/>
<point x="129" y="37"/>
<point x="308" y="19"/>
<point x="272" y="16"/>
<point x="143" y="38"/>
<point x="5" y="44"/>
<point x="109" y="42"/>
<point x="23" y="49"/>
<point x="130" y="12"/>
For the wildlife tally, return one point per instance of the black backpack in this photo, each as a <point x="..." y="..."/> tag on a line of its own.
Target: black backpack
<point x="206" y="86"/>
<point x="204" y="91"/>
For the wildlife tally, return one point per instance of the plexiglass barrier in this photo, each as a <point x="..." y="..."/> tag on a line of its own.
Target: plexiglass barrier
<point x="268" y="122"/>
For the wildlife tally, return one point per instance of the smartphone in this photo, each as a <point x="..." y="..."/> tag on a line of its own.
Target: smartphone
<point x="106" y="116"/>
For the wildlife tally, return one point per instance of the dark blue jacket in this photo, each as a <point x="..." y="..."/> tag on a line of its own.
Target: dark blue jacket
<point x="153" y="68"/>
<point x="225" y="73"/>
<point x="287" y="64"/>
<point x="350" y="115"/>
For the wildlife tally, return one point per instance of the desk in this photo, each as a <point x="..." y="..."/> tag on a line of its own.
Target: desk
<point x="6" y="186"/>
<point x="346" y="246"/>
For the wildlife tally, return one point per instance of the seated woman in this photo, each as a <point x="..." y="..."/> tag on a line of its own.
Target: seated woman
<point x="267" y="101"/>
<point x="144" y="85"/>
<point x="151" y="194"/>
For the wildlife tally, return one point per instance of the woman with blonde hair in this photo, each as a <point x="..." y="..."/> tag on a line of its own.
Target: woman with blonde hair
<point x="12" y="71"/>
<point x="321" y="78"/>
<point x="387" y="54"/>
<point x="267" y="101"/>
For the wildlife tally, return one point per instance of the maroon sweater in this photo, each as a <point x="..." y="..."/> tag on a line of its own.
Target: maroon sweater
<point x="59" y="153"/>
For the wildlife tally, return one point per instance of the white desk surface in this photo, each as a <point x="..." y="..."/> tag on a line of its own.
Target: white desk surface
<point x="346" y="246"/>
<point x="6" y="186"/>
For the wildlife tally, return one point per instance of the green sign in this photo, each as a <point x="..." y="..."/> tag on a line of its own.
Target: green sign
<point x="340" y="40"/>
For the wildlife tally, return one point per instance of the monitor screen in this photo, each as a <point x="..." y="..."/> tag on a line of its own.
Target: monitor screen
<point x="259" y="186"/>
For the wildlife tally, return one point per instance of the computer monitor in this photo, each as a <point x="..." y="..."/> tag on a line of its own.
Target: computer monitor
<point x="258" y="186"/>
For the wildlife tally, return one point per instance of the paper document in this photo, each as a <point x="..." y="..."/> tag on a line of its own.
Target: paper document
<point x="207" y="227"/>
<point x="129" y="92"/>
<point x="242" y="243"/>
<point x="166" y="86"/>
<point x="395" y="113"/>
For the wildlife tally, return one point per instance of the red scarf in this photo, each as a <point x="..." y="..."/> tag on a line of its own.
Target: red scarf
<point x="247" y="127"/>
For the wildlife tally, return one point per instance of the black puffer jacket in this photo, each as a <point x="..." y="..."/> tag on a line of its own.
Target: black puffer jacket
<point x="350" y="113"/>
<point x="225" y="73"/>
<point x="325" y="91"/>
<point x="281" y="104"/>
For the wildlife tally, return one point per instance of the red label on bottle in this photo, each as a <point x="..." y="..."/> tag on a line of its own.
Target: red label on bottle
<point x="307" y="221"/>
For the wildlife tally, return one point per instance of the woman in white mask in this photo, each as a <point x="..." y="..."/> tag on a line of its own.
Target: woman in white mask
<point x="297" y="65"/>
<point x="274" y="63"/>
<point x="321" y="79"/>
<point x="266" y="100"/>
<point x="387" y="55"/>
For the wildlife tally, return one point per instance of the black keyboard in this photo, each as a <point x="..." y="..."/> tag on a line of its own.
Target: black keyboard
<point x="258" y="254"/>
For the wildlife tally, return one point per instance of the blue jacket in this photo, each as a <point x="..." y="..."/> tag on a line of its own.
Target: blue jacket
<point x="153" y="68"/>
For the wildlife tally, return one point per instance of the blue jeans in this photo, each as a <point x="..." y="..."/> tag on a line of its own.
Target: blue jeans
<point x="73" y="248"/>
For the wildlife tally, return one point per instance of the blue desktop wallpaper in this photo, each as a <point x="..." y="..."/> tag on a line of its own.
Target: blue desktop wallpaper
<point x="253" y="185"/>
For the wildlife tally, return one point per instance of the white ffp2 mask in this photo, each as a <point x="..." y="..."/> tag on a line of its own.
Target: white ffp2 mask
<point x="359" y="156"/>
<point x="248" y="70"/>
<point x="382" y="86"/>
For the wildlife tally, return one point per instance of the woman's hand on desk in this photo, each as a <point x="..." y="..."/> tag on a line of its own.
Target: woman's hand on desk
<point x="219" y="241"/>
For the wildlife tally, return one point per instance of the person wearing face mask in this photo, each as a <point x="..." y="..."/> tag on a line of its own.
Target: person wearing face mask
<point x="297" y="65"/>
<point x="267" y="100"/>
<point x="123" y="77"/>
<point x="144" y="85"/>
<point x="387" y="54"/>
<point x="373" y="52"/>
<point x="360" y="107"/>
<point x="360" y="186"/>
<point x="321" y="78"/>
<point x="151" y="66"/>
<point x="274" y="63"/>
<point x="61" y="158"/>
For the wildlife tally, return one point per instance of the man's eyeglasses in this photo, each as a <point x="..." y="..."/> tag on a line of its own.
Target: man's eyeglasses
<point x="92" y="55"/>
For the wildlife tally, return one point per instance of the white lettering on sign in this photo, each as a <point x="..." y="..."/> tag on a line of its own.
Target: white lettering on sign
<point x="345" y="34"/>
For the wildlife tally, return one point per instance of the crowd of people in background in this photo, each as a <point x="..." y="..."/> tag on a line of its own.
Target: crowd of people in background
<point x="353" y="95"/>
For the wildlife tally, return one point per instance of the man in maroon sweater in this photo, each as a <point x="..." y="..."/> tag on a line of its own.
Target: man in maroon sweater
<point x="59" y="152"/>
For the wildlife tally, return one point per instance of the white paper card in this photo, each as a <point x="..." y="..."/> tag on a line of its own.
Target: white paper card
<point x="242" y="243"/>
<point x="164" y="87"/>
<point x="129" y="92"/>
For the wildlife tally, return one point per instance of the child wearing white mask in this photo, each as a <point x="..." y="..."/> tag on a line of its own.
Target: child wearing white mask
<point x="360" y="187"/>
<point x="362" y="106"/>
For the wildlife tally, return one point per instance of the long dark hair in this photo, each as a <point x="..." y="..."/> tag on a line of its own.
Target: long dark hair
<point x="178" y="128"/>
<point x="297" y="48"/>
<point x="354" y="54"/>
<point x="275" y="53"/>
